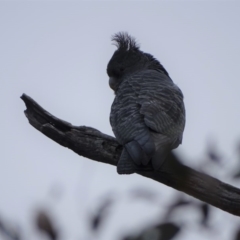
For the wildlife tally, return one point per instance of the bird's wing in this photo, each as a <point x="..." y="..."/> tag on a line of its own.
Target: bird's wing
<point x="124" y="117"/>
<point x="161" y="102"/>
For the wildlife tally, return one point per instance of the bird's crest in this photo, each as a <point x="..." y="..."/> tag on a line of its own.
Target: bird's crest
<point x="123" y="41"/>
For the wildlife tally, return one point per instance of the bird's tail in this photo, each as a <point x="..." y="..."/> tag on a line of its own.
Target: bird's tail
<point x="125" y="164"/>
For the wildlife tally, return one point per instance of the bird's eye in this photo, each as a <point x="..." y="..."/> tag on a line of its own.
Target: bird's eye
<point x="121" y="69"/>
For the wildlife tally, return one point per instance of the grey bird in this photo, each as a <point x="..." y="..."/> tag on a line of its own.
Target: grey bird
<point x="148" y="114"/>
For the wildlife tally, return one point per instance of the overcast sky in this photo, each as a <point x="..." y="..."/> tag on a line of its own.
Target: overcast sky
<point x="57" y="53"/>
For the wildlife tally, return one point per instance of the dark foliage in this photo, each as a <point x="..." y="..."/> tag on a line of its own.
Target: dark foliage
<point x="46" y="225"/>
<point x="101" y="214"/>
<point x="165" y="231"/>
<point x="205" y="210"/>
<point x="9" y="231"/>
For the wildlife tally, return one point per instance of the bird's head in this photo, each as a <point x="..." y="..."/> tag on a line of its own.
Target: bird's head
<point x="125" y="60"/>
<point x="128" y="59"/>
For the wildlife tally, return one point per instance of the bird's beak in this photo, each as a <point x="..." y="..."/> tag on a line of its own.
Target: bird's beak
<point x="112" y="83"/>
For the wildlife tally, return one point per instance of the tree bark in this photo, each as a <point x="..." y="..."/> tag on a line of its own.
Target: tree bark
<point x="91" y="143"/>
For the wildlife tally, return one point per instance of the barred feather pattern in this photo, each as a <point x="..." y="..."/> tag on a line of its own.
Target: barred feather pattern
<point x="148" y="109"/>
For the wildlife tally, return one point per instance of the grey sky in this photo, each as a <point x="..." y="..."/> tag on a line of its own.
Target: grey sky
<point x="57" y="53"/>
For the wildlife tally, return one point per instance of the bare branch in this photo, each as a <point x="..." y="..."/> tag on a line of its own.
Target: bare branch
<point x="93" y="144"/>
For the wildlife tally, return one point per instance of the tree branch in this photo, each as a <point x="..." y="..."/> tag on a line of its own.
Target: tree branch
<point x="91" y="143"/>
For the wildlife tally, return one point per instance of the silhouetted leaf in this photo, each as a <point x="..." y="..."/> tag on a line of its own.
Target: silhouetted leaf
<point x="45" y="224"/>
<point x="205" y="210"/>
<point x="168" y="230"/>
<point x="101" y="214"/>
<point x="213" y="154"/>
<point x="9" y="231"/>
<point x="236" y="174"/>
<point x="165" y="231"/>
